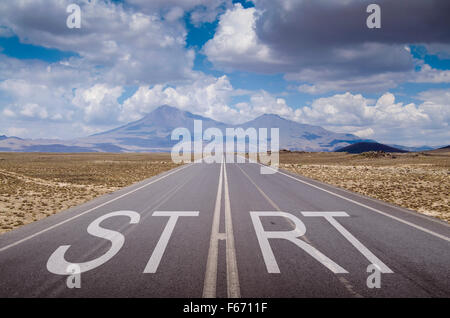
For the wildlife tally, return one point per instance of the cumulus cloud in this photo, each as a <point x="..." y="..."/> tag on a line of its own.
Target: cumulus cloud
<point x="34" y="110"/>
<point x="200" y="10"/>
<point x="262" y="102"/>
<point x="364" y="133"/>
<point x="99" y="103"/>
<point x="51" y="95"/>
<point x="32" y="100"/>
<point x="436" y="96"/>
<point x="323" y="46"/>
<point x="117" y="46"/>
<point x="130" y="47"/>
<point x="348" y="109"/>
<point x="326" y="80"/>
<point x="330" y="40"/>
<point x="235" y="42"/>
<point x="427" y="74"/>
<point x="208" y="96"/>
<point x="384" y="119"/>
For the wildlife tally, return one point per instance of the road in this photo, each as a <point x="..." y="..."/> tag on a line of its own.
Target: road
<point x="226" y="230"/>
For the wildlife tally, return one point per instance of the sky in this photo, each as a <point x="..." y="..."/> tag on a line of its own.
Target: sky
<point x="314" y="62"/>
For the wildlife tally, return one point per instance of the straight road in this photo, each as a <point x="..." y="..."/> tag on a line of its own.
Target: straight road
<point x="226" y="230"/>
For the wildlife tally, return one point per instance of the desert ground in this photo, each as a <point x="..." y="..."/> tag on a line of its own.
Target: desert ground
<point x="416" y="181"/>
<point x="36" y="185"/>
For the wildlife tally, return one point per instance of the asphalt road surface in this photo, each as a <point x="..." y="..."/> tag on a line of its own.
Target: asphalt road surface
<point x="226" y="230"/>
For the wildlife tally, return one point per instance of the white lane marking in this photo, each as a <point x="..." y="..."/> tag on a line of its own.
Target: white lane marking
<point x="221" y="236"/>
<point x="123" y="229"/>
<point x="445" y="238"/>
<point x="155" y="259"/>
<point x="57" y="263"/>
<point x="90" y="210"/>
<point x="329" y="216"/>
<point x="266" y="196"/>
<point x="262" y="192"/>
<point x="386" y="204"/>
<point x="233" y="288"/>
<point x="209" y="285"/>
<point x="342" y="280"/>
<point x="292" y="236"/>
<point x="289" y="221"/>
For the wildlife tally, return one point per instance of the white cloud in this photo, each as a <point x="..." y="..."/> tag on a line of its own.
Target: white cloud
<point x="207" y="95"/>
<point x="290" y="37"/>
<point x="262" y="102"/>
<point x="200" y="10"/>
<point x="364" y="133"/>
<point x="235" y="41"/>
<point x="116" y="46"/>
<point x="436" y="96"/>
<point x="385" y="119"/>
<point x="382" y="119"/>
<point x="16" y="131"/>
<point x="119" y="46"/>
<point x="33" y="111"/>
<point x="99" y="103"/>
<point x="31" y="100"/>
<point x="427" y="74"/>
<point x="326" y="80"/>
<point x="348" y="109"/>
<point x="372" y="83"/>
<point x="174" y="14"/>
<point x="131" y="47"/>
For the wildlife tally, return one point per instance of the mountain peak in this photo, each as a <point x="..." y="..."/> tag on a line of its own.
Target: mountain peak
<point x="271" y="115"/>
<point x="164" y="111"/>
<point x="364" y="146"/>
<point x="166" y="108"/>
<point x="153" y="133"/>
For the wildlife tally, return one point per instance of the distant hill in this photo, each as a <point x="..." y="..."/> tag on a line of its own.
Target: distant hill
<point x="153" y="133"/>
<point x="440" y="150"/>
<point x="413" y="148"/>
<point x="361" y="147"/>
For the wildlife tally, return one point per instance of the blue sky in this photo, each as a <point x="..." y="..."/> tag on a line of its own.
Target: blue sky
<point x="229" y="60"/>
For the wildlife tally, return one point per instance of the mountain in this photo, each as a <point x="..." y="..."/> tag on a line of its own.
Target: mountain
<point x="361" y="147"/>
<point x="445" y="149"/>
<point x="302" y="137"/>
<point x="413" y="149"/>
<point x="153" y="133"/>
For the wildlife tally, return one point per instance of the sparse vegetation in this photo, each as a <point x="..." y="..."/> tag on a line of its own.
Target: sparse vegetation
<point x="417" y="181"/>
<point x="36" y="185"/>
